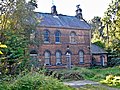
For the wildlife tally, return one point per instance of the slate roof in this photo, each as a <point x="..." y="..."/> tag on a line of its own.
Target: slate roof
<point x="97" y="50"/>
<point x="61" y="21"/>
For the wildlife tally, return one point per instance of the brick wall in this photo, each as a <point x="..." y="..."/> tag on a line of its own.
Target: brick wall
<point x="82" y="43"/>
<point x="98" y="59"/>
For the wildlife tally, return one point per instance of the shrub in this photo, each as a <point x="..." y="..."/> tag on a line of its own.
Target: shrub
<point x="3" y="86"/>
<point x="36" y="81"/>
<point x="76" y="73"/>
<point x="111" y="80"/>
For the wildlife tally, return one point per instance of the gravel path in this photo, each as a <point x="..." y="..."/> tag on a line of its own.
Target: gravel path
<point x="81" y="83"/>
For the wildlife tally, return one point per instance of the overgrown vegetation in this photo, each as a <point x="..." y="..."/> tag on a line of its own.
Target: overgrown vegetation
<point x="39" y="80"/>
<point x="78" y="73"/>
<point x="15" y="30"/>
<point x="112" y="81"/>
<point x="33" y="81"/>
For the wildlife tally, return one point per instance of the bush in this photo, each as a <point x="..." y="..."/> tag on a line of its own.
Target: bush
<point x="114" y="62"/>
<point x="111" y="80"/>
<point x="4" y="86"/>
<point x="76" y="73"/>
<point x="36" y="81"/>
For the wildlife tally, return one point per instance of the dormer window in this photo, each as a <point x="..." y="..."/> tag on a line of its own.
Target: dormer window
<point x="57" y="36"/>
<point x="46" y="36"/>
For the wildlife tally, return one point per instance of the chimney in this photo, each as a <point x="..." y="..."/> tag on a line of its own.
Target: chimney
<point x="53" y="10"/>
<point x="79" y="12"/>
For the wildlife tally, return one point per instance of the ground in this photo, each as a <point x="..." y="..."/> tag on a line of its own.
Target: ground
<point x="82" y="83"/>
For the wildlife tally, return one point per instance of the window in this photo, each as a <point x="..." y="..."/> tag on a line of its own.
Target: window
<point x="81" y="56"/>
<point x="46" y="36"/>
<point x="32" y="35"/>
<point x="57" y="37"/>
<point x="34" y="58"/>
<point x="102" y="58"/>
<point x="58" y="58"/>
<point x="47" y="58"/>
<point x="72" y="37"/>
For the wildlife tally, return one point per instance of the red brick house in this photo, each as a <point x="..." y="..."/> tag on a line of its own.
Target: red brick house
<point x="66" y="40"/>
<point x="99" y="56"/>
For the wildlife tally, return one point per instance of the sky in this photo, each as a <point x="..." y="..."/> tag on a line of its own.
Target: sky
<point x="90" y="8"/>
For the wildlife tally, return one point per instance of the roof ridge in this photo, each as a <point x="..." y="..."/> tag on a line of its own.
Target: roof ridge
<point x="53" y="15"/>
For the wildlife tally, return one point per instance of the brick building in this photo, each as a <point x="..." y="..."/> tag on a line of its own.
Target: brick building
<point x="99" y="56"/>
<point x="66" y="40"/>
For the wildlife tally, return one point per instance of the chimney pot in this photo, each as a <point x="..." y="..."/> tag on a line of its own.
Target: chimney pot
<point x="53" y="10"/>
<point x="79" y="12"/>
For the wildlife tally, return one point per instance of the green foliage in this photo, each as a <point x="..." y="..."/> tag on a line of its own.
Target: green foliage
<point x="35" y="81"/>
<point x="95" y="24"/>
<point x="111" y="80"/>
<point x="15" y="29"/>
<point x="100" y="44"/>
<point x="4" y="86"/>
<point x="107" y="30"/>
<point x="76" y="73"/>
<point x="114" y="62"/>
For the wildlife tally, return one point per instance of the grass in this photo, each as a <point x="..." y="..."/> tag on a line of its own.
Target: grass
<point x="94" y="74"/>
<point x="103" y="72"/>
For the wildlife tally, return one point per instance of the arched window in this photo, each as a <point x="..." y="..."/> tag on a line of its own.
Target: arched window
<point x="72" y="37"/>
<point x="47" y="58"/>
<point x="46" y="36"/>
<point x="58" y="58"/>
<point x="57" y="37"/>
<point x="81" y="56"/>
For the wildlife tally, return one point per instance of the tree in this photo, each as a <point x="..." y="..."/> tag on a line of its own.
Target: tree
<point x="111" y="20"/>
<point x="109" y="32"/>
<point x="97" y="30"/>
<point x="17" y="22"/>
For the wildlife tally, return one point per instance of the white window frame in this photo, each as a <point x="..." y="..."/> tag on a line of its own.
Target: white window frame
<point x="81" y="57"/>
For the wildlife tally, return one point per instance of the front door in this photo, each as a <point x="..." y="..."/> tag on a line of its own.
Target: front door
<point x="68" y="59"/>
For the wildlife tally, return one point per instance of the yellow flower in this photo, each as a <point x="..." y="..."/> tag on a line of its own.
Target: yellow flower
<point x="1" y="52"/>
<point x="3" y="46"/>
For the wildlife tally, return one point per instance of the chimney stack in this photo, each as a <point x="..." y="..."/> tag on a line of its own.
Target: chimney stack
<point x="79" y="12"/>
<point x="53" y="10"/>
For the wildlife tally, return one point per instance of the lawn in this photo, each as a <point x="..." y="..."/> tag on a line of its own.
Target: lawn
<point x="94" y="74"/>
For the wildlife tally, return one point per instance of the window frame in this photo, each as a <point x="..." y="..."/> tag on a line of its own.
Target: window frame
<point x="47" y="58"/>
<point x="73" y="37"/>
<point x="58" y="58"/>
<point x="81" y="57"/>
<point x="57" y="37"/>
<point x="46" y="36"/>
